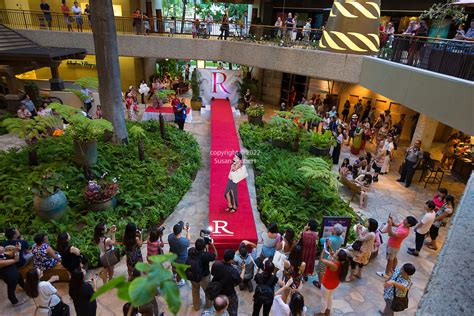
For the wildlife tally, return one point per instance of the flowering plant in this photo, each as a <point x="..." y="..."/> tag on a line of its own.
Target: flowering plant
<point x="101" y="190"/>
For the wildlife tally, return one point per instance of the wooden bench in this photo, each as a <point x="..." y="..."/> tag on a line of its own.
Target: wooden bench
<point x="58" y="270"/>
<point x="355" y="189"/>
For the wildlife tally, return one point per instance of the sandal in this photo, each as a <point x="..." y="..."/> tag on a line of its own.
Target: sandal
<point x="232" y="210"/>
<point x="228" y="209"/>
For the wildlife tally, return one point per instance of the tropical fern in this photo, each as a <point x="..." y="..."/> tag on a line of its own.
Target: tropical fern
<point x="32" y="129"/>
<point x="86" y="82"/>
<point x="137" y="132"/>
<point x="316" y="168"/>
<point x="81" y="127"/>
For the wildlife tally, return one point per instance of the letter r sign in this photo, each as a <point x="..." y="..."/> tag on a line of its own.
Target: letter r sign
<point x="218" y="79"/>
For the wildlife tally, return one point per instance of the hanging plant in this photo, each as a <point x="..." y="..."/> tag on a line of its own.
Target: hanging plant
<point x="441" y="11"/>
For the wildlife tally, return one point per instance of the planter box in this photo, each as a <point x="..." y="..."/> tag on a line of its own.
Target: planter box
<point x="85" y="152"/>
<point x="320" y="152"/>
<point x="255" y="120"/>
<point x="50" y="207"/>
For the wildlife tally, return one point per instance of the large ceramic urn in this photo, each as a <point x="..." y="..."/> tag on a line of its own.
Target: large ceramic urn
<point x="352" y="27"/>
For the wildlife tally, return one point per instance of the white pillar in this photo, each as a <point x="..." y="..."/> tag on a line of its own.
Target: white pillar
<point x="157" y="4"/>
<point x="425" y="131"/>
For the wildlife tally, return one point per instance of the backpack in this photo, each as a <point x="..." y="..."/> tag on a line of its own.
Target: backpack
<point x="264" y="293"/>
<point x="194" y="271"/>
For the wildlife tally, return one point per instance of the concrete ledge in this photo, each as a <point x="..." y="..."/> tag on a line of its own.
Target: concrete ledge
<point x="444" y="98"/>
<point x="312" y="63"/>
<point x="450" y="290"/>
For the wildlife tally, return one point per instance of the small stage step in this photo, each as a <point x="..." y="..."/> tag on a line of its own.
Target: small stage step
<point x="206" y="111"/>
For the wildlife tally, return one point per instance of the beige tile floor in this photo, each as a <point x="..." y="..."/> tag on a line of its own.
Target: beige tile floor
<point x="362" y="297"/>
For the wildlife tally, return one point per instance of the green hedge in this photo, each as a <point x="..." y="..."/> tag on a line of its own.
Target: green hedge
<point x="281" y="193"/>
<point x="149" y="190"/>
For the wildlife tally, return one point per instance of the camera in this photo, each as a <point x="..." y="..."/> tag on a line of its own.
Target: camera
<point x="206" y="235"/>
<point x="161" y="230"/>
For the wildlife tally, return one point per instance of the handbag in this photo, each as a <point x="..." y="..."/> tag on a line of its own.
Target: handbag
<point x="399" y="303"/>
<point x="239" y="174"/>
<point x="279" y="258"/>
<point x="109" y="258"/>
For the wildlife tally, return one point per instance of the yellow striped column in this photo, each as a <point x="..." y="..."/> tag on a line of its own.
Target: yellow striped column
<point x="352" y="27"/>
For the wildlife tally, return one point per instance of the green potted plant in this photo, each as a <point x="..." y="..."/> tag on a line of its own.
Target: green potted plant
<point x="138" y="133"/>
<point x="85" y="132"/>
<point x="196" y="102"/>
<point x="100" y="195"/>
<point x="321" y="143"/>
<point x="142" y="290"/>
<point x="247" y="83"/>
<point x="255" y="114"/>
<point x="49" y="201"/>
<point x="31" y="130"/>
<point x="282" y="132"/>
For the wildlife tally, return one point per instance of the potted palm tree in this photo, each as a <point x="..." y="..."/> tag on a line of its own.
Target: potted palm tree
<point x="196" y="102"/>
<point x="255" y="114"/>
<point x="85" y="133"/>
<point x="49" y="201"/>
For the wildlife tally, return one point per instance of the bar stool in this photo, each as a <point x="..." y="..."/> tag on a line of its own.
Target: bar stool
<point x="433" y="174"/>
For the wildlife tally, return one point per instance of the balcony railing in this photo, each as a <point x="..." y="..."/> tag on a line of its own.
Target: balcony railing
<point x="37" y="20"/>
<point x="450" y="57"/>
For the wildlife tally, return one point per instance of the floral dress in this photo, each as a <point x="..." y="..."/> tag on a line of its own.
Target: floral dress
<point x="134" y="255"/>
<point x="41" y="259"/>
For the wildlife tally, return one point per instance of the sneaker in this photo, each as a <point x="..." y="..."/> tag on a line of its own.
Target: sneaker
<point x="412" y="252"/>
<point x="383" y="275"/>
<point x="181" y="283"/>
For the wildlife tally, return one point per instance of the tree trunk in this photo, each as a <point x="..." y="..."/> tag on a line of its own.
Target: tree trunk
<point x="184" y="15"/>
<point x="162" y="127"/>
<point x="108" y="68"/>
<point x="32" y="156"/>
<point x="141" y="150"/>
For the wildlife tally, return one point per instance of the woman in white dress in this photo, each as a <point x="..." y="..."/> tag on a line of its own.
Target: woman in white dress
<point x="389" y="147"/>
<point x="231" y="189"/>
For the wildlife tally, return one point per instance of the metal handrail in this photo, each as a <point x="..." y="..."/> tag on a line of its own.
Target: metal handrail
<point x="7" y="17"/>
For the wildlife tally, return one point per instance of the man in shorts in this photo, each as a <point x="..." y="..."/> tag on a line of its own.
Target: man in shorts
<point x="336" y="241"/>
<point x="394" y="242"/>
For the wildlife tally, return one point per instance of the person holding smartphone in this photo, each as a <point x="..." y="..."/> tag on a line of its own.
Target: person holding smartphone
<point x="105" y="241"/>
<point x="179" y="246"/>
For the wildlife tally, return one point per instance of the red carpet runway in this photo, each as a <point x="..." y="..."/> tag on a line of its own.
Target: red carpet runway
<point x="228" y="229"/>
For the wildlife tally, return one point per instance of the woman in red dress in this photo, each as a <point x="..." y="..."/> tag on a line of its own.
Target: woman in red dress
<point x="309" y="237"/>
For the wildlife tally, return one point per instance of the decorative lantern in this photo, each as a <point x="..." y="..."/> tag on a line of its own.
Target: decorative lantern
<point x="352" y="27"/>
